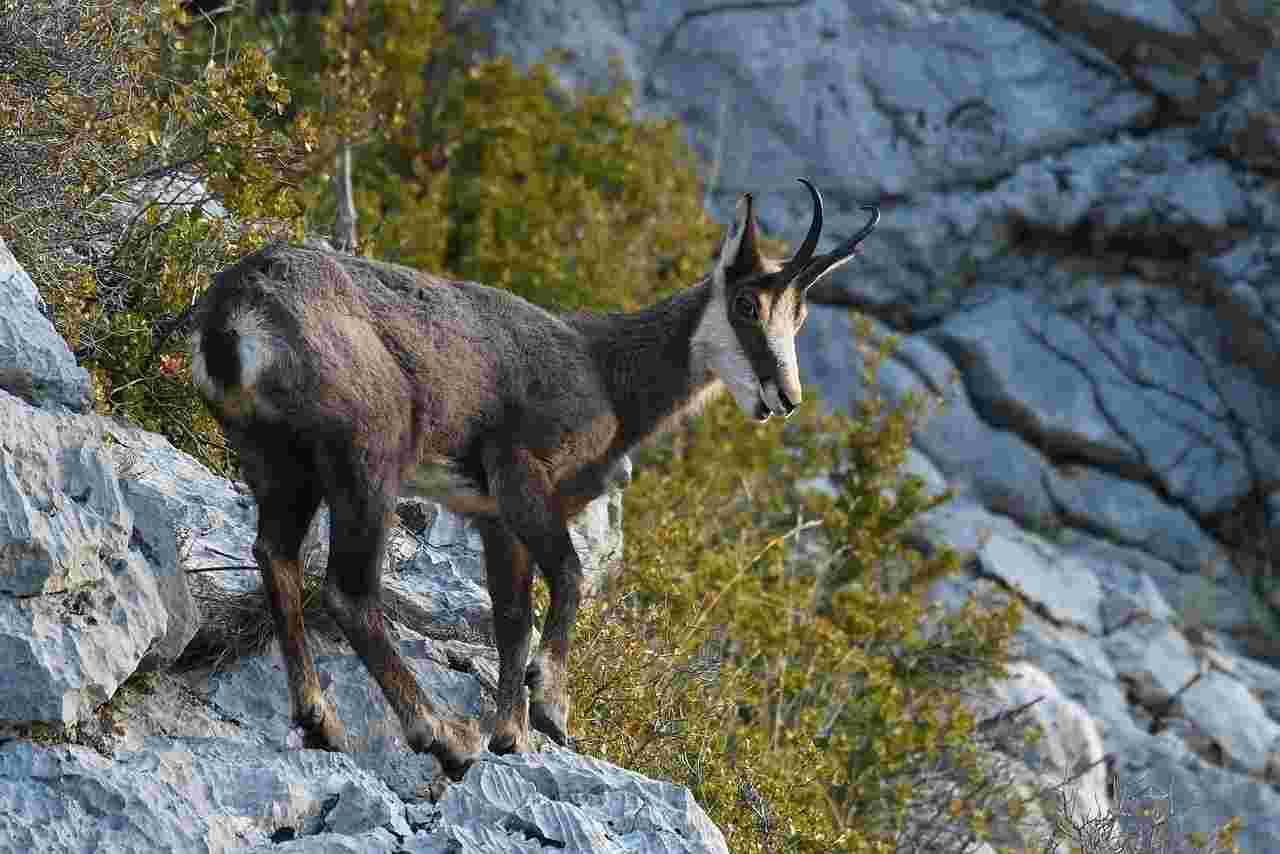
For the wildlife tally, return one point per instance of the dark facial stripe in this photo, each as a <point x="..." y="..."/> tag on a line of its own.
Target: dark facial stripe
<point x="754" y="340"/>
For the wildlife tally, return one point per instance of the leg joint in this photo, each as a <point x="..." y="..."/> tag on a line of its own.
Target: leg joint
<point x="345" y="607"/>
<point x="263" y="553"/>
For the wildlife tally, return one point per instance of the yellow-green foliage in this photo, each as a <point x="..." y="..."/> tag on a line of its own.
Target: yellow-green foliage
<point x="477" y="171"/>
<point x="106" y="102"/>
<point x="570" y="203"/>
<point x="497" y="175"/>
<point x="804" y="719"/>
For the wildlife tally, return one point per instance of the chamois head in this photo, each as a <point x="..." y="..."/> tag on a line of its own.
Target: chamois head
<point x="747" y="335"/>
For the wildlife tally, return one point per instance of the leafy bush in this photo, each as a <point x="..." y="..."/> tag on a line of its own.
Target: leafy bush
<point x="495" y="174"/>
<point x="142" y="149"/>
<point x="807" y="713"/>
<point x="115" y="146"/>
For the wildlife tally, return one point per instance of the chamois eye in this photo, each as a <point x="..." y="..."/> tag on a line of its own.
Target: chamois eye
<point x="746" y="307"/>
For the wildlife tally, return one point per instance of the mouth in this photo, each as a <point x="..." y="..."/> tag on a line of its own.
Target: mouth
<point x="762" y="413"/>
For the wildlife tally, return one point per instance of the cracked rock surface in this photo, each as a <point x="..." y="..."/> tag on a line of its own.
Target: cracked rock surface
<point x="106" y="530"/>
<point x="234" y="790"/>
<point x="1080" y="253"/>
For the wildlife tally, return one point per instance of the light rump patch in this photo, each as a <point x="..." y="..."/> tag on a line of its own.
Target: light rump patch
<point x="200" y="369"/>
<point x="257" y="348"/>
<point x="256" y="345"/>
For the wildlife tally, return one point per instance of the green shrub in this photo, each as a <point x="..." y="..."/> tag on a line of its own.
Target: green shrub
<point x="805" y="716"/>
<point x="487" y="173"/>
<point x="113" y="137"/>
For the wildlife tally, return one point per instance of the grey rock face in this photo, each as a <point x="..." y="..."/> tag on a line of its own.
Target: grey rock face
<point x="1248" y="125"/>
<point x="218" y="795"/>
<point x="255" y="692"/>
<point x="82" y="604"/>
<point x="882" y="98"/>
<point x="35" y="363"/>
<point x="1188" y="52"/>
<point x="1177" y="707"/>
<point x="183" y="795"/>
<point x="537" y="801"/>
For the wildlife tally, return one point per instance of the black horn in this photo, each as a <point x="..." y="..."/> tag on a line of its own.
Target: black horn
<point x="801" y="259"/>
<point x="823" y="264"/>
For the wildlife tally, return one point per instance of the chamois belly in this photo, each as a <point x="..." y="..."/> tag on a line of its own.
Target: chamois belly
<point x="444" y="482"/>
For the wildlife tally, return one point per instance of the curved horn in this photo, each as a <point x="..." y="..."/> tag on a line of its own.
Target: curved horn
<point x="829" y="261"/>
<point x="852" y="243"/>
<point x="802" y="257"/>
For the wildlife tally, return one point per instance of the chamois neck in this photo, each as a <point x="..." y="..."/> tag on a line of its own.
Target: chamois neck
<point x="645" y="360"/>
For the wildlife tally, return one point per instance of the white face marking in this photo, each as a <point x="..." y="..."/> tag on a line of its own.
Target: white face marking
<point x="781" y="334"/>
<point x="716" y="350"/>
<point x="715" y="346"/>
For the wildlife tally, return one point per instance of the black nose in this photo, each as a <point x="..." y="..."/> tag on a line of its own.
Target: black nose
<point x="787" y="406"/>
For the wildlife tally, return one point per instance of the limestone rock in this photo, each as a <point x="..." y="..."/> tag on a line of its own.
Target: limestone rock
<point x="35" y="363"/>
<point x="83" y="604"/>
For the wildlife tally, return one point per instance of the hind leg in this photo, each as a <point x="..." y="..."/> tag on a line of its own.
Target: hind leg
<point x="287" y="498"/>
<point x="360" y="505"/>
<point x="510" y="580"/>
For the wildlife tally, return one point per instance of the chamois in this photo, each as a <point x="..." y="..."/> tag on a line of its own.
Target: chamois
<point x="355" y="382"/>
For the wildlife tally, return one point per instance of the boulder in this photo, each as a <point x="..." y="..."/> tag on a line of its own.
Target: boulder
<point x="217" y="795"/>
<point x="35" y="363"/>
<point x="184" y="795"/>
<point x="83" y="601"/>
<point x="1142" y="648"/>
<point x="535" y="801"/>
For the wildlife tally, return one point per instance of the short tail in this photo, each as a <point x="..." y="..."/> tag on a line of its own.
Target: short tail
<point x="229" y="356"/>
<point x="233" y="342"/>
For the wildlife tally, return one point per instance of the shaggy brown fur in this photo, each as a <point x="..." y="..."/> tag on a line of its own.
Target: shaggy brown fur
<point x="352" y="381"/>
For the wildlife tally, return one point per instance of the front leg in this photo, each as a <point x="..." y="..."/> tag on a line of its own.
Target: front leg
<point x="528" y="507"/>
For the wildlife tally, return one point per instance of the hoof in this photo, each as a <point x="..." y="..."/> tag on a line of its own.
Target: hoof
<point x="503" y="743"/>
<point x="548" y="707"/>
<point x="550" y="721"/>
<point x="454" y="745"/>
<point x="318" y="728"/>
<point x="455" y="767"/>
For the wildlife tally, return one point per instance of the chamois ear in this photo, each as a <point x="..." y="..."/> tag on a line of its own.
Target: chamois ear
<point x="740" y="253"/>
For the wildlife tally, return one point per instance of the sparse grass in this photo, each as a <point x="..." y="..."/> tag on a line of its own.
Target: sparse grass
<point x="811" y="704"/>
<point x="1144" y="820"/>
